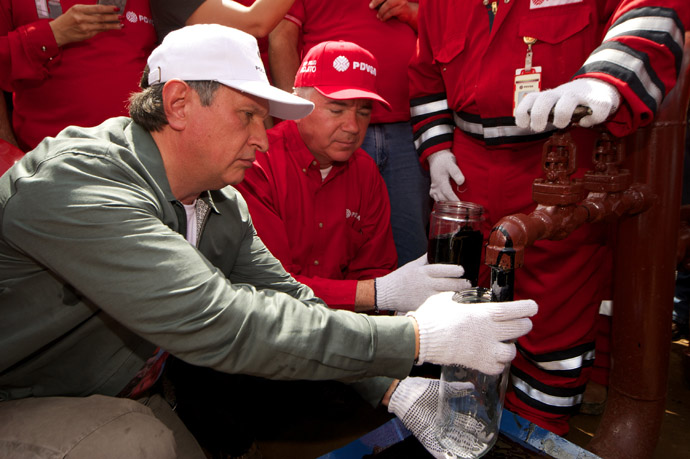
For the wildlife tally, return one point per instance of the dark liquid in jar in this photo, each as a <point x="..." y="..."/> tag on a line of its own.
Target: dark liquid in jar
<point x="463" y="247"/>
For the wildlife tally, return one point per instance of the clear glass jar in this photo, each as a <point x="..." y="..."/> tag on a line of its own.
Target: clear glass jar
<point x="455" y="236"/>
<point x="468" y="420"/>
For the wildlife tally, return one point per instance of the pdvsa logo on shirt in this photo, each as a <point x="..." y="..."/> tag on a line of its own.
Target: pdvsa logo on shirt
<point x="533" y="4"/>
<point x="350" y="214"/>
<point x="134" y="18"/>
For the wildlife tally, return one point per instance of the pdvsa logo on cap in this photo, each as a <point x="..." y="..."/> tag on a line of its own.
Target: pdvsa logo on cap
<point x="364" y="67"/>
<point x="341" y="63"/>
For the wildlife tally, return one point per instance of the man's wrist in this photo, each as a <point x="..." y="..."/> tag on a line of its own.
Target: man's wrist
<point x="415" y="325"/>
<point x="389" y="393"/>
<point x="365" y="296"/>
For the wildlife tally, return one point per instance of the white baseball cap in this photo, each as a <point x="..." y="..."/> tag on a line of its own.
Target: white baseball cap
<point x="212" y="52"/>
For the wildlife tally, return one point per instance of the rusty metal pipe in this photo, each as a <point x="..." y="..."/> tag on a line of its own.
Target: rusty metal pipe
<point x="683" y="250"/>
<point x="609" y="207"/>
<point x="645" y="257"/>
<point x="513" y="233"/>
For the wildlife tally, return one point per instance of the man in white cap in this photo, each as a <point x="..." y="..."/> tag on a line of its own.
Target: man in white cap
<point x="122" y="240"/>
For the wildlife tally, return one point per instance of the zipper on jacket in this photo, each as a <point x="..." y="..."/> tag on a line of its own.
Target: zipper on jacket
<point x="204" y="212"/>
<point x="492" y="8"/>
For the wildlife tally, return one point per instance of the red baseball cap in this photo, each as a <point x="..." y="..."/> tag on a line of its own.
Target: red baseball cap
<point x="340" y="70"/>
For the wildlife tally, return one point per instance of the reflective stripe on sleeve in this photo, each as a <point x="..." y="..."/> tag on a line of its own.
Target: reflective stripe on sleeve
<point x="657" y="24"/>
<point x="425" y="107"/>
<point x="433" y="133"/>
<point x="617" y="58"/>
<point x="621" y="61"/>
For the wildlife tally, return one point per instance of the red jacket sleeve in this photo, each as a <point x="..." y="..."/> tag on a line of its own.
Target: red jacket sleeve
<point x="26" y="51"/>
<point x="641" y="55"/>
<point x="432" y="120"/>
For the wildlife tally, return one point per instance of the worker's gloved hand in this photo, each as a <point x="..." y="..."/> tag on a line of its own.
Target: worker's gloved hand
<point x="474" y="335"/>
<point x="415" y="401"/>
<point x="406" y="288"/>
<point x="443" y="168"/>
<point x="601" y="97"/>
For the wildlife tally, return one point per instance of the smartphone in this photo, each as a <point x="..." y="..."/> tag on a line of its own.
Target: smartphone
<point x="119" y="3"/>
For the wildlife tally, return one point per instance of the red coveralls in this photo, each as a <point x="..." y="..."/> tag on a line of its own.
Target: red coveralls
<point x="462" y="85"/>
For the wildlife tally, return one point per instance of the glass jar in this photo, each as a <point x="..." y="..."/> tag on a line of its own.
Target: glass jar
<point x="455" y="236"/>
<point x="468" y="418"/>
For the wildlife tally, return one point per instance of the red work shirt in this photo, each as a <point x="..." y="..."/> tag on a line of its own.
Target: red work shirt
<point x="81" y="83"/>
<point x="391" y="42"/>
<point x="327" y="233"/>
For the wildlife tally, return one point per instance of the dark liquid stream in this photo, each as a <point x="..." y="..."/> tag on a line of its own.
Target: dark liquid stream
<point x="464" y="247"/>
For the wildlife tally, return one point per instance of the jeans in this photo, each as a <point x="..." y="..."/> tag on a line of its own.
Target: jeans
<point x="391" y="146"/>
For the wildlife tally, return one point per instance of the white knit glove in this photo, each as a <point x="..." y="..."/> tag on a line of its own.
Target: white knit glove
<point x="602" y="97"/>
<point x="442" y="168"/>
<point x="415" y="402"/>
<point x="410" y="285"/>
<point x="474" y="335"/>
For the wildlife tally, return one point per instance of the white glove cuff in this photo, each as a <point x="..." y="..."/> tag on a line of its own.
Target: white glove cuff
<point x="441" y="156"/>
<point x="430" y="331"/>
<point x="383" y="294"/>
<point x="615" y="97"/>
<point x="408" y="392"/>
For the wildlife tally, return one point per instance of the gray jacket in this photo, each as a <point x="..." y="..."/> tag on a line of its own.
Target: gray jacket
<point x="95" y="274"/>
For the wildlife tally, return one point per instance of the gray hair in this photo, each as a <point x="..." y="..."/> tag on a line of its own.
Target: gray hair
<point x="305" y="92"/>
<point x="146" y="106"/>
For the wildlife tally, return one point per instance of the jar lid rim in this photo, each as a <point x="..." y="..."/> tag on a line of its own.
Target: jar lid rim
<point x="459" y="205"/>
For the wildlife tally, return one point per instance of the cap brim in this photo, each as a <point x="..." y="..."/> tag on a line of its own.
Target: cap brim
<point x="281" y="104"/>
<point x="339" y="93"/>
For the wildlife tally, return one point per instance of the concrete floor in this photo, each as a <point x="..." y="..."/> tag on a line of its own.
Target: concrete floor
<point x="309" y="437"/>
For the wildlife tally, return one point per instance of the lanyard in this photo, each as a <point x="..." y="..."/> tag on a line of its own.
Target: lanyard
<point x="48" y="9"/>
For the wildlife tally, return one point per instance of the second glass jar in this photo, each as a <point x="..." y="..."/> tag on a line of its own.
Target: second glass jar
<point x="455" y="236"/>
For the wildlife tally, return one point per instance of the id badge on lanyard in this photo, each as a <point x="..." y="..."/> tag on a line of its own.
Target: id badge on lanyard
<point x="48" y="9"/>
<point x="527" y="79"/>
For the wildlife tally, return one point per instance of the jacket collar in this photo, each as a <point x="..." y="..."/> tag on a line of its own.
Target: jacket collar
<point x="298" y="149"/>
<point x="143" y="145"/>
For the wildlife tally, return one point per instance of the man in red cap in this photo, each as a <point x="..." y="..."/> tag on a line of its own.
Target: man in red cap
<point x="387" y="29"/>
<point x="318" y="201"/>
